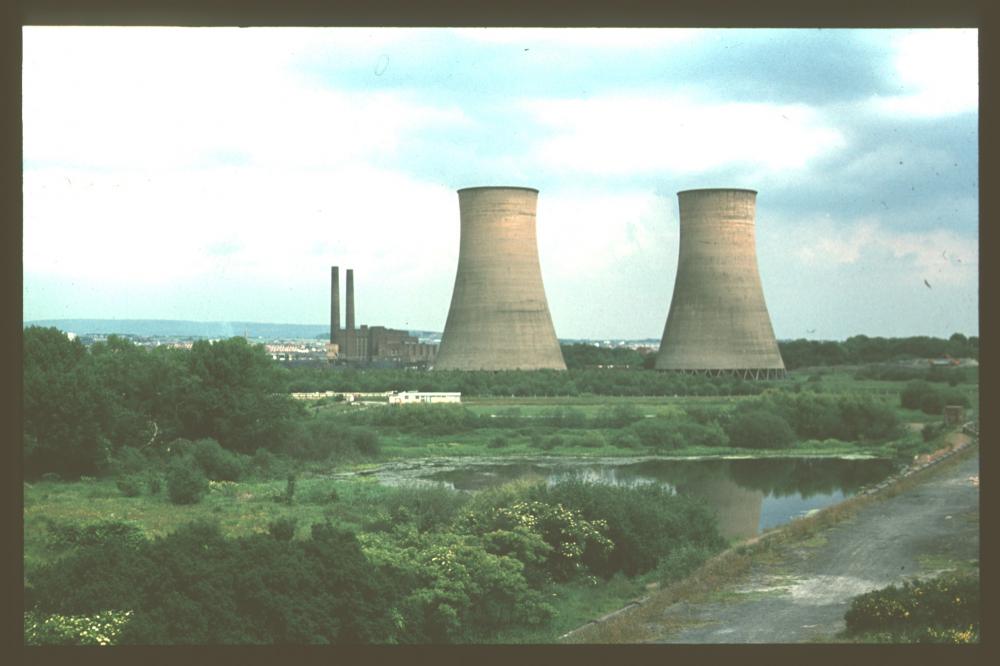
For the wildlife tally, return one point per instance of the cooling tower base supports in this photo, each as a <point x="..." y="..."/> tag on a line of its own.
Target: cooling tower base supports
<point x="742" y="373"/>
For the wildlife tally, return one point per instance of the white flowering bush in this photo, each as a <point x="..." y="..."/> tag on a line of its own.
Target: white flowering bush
<point x="456" y="591"/>
<point x="567" y="534"/>
<point x="227" y="488"/>
<point x="98" y="629"/>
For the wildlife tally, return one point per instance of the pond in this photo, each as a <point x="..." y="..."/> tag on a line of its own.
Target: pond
<point x="749" y="495"/>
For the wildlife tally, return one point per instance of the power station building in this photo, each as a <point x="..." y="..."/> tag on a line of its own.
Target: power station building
<point x="499" y="316"/>
<point x="369" y="344"/>
<point x="718" y="322"/>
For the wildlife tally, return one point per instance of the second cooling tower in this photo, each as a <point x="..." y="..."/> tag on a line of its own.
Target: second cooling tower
<point x="718" y="322"/>
<point x="499" y="317"/>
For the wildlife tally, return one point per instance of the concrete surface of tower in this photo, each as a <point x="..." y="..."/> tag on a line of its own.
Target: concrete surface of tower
<point x="499" y="316"/>
<point x="718" y="321"/>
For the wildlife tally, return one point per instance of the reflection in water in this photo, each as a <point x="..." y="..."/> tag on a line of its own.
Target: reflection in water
<point x="738" y="508"/>
<point x="748" y="495"/>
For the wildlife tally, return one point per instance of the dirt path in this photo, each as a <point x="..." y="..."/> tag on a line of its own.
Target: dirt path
<point x="799" y="591"/>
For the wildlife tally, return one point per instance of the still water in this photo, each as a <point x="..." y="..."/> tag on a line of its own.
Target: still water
<point x="749" y="495"/>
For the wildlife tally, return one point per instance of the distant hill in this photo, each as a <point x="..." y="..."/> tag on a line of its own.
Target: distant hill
<point x="226" y="329"/>
<point x="184" y="329"/>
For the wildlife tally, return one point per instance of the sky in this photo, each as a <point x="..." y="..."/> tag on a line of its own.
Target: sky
<point x="216" y="174"/>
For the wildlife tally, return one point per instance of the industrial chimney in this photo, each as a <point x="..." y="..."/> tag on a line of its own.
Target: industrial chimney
<point x="718" y="322"/>
<point x="334" y="305"/>
<point x="350" y="300"/>
<point x="499" y="317"/>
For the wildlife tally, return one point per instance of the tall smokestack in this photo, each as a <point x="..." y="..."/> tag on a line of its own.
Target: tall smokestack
<point x="334" y="305"/>
<point x="718" y="321"/>
<point x="350" y="299"/>
<point x="499" y="317"/>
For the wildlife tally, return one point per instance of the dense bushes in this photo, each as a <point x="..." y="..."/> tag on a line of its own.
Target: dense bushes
<point x="759" y="430"/>
<point x="585" y="355"/>
<point x="209" y="589"/>
<point x="82" y="407"/>
<point x="863" y="349"/>
<point x="665" y="434"/>
<point x="645" y="524"/>
<point x="327" y="437"/>
<point x="217" y="463"/>
<point x="433" y="566"/>
<point x="591" y="381"/>
<point x="931" y="399"/>
<point x="942" y="610"/>
<point x="940" y="374"/>
<point x="810" y="416"/>
<point x="568" y="538"/>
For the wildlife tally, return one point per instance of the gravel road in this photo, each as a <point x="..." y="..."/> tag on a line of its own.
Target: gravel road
<point x="800" y="592"/>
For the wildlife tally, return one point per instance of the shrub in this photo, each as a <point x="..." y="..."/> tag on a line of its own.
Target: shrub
<point x="128" y="460"/>
<point x="452" y="588"/>
<point x="625" y="440"/>
<point x="645" y="523"/>
<point x="102" y="532"/>
<point x="153" y="482"/>
<point x="365" y="442"/>
<point x="497" y="443"/>
<point x="185" y="481"/>
<point x="426" y="508"/>
<point x="263" y="459"/>
<point x="664" y="434"/>
<point x="98" y="629"/>
<point x="931" y="399"/>
<point x="282" y="529"/>
<point x="682" y="560"/>
<point x="217" y="463"/>
<point x="130" y="486"/>
<point x="566" y="532"/>
<point x="936" y="610"/>
<point x="212" y="590"/>
<point x="760" y="430"/>
<point x="619" y="416"/>
<point x="931" y="430"/>
<point x="590" y="440"/>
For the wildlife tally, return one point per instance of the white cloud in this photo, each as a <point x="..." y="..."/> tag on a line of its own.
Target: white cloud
<point x="938" y="73"/>
<point x="641" y="133"/>
<point x="243" y="223"/>
<point x="585" y="232"/>
<point x="170" y="98"/>
<point x="939" y="255"/>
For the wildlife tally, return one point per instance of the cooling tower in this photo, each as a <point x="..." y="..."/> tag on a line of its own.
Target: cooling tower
<point x="499" y="317"/>
<point x="718" y="322"/>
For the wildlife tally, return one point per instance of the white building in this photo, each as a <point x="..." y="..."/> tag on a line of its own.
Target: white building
<point x="421" y="397"/>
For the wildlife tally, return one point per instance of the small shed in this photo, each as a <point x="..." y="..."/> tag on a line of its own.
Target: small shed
<point x="954" y="415"/>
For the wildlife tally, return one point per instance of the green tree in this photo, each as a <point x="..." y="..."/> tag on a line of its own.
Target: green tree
<point x="235" y="397"/>
<point x="67" y="413"/>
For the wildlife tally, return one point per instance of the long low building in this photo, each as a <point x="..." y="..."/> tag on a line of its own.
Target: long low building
<point x="423" y="397"/>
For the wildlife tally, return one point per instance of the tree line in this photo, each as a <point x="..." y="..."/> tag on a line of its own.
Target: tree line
<point x="861" y="349"/>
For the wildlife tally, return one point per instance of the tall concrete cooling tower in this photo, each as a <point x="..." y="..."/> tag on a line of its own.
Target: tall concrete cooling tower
<point x="718" y="322"/>
<point x="499" y="317"/>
